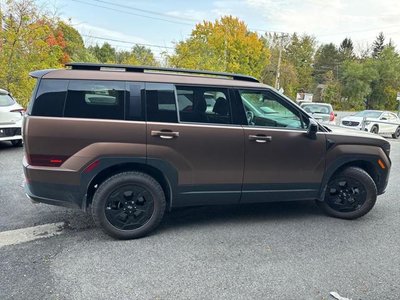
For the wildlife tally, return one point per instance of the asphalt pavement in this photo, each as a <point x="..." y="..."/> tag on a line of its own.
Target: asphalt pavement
<point x="263" y="251"/>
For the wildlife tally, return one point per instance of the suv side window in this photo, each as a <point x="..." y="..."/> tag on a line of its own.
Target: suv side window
<point x="161" y="103"/>
<point x="264" y="108"/>
<point x="203" y="105"/>
<point x="50" y="98"/>
<point x="95" y="99"/>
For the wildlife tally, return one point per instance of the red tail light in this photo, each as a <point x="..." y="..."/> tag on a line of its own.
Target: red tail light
<point x="47" y="160"/>
<point x="332" y="116"/>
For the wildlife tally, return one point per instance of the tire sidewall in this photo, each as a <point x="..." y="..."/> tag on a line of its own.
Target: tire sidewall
<point x="371" y="194"/>
<point x="105" y="189"/>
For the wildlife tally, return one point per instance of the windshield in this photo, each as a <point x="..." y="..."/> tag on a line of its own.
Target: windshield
<point x="6" y="100"/>
<point x="368" y="114"/>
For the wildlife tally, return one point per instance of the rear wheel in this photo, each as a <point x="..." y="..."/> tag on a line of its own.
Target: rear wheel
<point x="129" y="205"/>
<point x="396" y="134"/>
<point x="349" y="195"/>
<point x="375" y="129"/>
<point x="16" y="143"/>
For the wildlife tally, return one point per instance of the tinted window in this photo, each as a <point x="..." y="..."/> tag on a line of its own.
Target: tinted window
<point x="264" y="108"/>
<point x="135" y="102"/>
<point x="6" y="100"/>
<point x="203" y="105"/>
<point x="50" y="98"/>
<point x="317" y="108"/>
<point x="161" y="103"/>
<point x="95" y="99"/>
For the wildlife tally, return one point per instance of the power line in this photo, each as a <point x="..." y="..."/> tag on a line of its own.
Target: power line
<point x="130" y="13"/>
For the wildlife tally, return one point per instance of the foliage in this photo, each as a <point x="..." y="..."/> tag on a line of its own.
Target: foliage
<point x="226" y="45"/>
<point x="27" y="42"/>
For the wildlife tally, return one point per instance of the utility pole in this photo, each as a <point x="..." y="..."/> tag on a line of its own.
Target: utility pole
<point x="278" y="67"/>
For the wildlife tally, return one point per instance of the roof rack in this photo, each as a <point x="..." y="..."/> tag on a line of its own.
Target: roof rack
<point x="144" y="69"/>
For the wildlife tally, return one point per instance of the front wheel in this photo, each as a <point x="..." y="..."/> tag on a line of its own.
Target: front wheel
<point x="349" y="195"/>
<point x="128" y="205"/>
<point x="396" y="134"/>
<point x="375" y="129"/>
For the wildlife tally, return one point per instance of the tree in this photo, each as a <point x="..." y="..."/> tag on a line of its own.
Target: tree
<point x="139" y="55"/>
<point x="225" y="45"/>
<point x="326" y="60"/>
<point x="346" y="49"/>
<point x="300" y="52"/>
<point x="104" y="54"/>
<point x="27" y="43"/>
<point x="378" y="45"/>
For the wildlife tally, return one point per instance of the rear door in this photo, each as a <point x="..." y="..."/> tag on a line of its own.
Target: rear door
<point x="190" y="136"/>
<point x="281" y="161"/>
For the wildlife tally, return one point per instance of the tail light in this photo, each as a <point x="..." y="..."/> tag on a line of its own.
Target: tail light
<point x="47" y="160"/>
<point x="20" y="110"/>
<point x="332" y="116"/>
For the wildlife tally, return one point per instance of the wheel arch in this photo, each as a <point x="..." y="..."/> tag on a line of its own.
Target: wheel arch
<point x="120" y="167"/>
<point x="365" y="164"/>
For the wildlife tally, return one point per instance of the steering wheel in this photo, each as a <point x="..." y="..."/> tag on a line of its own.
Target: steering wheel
<point x="250" y="117"/>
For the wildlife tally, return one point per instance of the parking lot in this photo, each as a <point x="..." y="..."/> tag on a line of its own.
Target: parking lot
<point x="268" y="251"/>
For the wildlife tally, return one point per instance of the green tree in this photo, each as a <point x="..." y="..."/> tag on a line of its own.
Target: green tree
<point x="300" y="52"/>
<point x="346" y="49"/>
<point x="225" y="45"/>
<point x="139" y="55"/>
<point x="378" y="45"/>
<point x="104" y="54"/>
<point x="326" y="60"/>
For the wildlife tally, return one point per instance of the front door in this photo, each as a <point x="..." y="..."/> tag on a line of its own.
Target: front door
<point x="281" y="161"/>
<point x="190" y="133"/>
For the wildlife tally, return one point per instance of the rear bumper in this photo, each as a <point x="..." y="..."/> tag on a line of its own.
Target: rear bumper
<point x="54" y="191"/>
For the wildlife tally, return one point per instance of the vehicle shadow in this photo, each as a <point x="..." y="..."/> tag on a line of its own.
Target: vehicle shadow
<point x="240" y="213"/>
<point x="6" y="146"/>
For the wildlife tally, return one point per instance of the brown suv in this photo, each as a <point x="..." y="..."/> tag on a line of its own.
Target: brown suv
<point x="130" y="142"/>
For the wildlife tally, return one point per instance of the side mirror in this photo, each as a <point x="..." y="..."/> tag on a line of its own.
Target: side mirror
<point x="383" y="118"/>
<point x="335" y="115"/>
<point x="312" y="129"/>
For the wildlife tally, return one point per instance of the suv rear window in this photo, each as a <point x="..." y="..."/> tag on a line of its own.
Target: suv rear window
<point x="50" y="98"/>
<point x="6" y="100"/>
<point x="95" y="99"/>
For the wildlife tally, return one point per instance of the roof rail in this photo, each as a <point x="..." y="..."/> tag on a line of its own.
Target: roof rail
<point x="143" y="69"/>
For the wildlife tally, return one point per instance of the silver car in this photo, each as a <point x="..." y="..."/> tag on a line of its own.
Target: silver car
<point x="11" y="114"/>
<point x="322" y="112"/>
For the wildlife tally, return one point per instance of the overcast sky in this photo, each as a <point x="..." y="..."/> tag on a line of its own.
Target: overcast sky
<point x="161" y="23"/>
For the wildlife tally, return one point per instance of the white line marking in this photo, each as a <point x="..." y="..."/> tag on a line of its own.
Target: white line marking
<point x="23" y="235"/>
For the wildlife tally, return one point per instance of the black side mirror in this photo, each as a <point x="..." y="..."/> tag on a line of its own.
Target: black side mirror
<point x="312" y="129"/>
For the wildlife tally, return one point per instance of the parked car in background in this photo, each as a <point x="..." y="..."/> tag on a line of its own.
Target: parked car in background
<point x="376" y="121"/>
<point x="10" y="119"/>
<point x="322" y="112"/>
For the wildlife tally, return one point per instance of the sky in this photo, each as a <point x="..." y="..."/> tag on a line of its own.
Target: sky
<point x="161" y="24"/>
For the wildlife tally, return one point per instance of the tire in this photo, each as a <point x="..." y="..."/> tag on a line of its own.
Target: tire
<point x="375" y="129"/>
<point x="16" y="143"/>
<point x="396" y="134"/>
<point x="352" y="200"/>
<point x="128" y="205"/>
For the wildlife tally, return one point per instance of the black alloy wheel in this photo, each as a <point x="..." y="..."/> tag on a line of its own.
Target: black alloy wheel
<point x="350" y="194"/>
<point x="128" y="205"/>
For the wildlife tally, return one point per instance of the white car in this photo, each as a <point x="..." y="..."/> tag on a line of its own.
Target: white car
<point x="11" y="114"/>
<point x="322" y="112"/>
<point x="376" y="121"/>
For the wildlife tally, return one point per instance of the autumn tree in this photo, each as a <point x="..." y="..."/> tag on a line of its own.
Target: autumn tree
<point x="25" y="45"/>
<point x="225" y="45"/>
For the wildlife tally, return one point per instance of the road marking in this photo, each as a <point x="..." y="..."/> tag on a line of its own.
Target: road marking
<point x="23" y="235"/>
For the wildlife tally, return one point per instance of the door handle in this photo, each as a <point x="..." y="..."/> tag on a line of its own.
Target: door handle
<point x="164" y="134"/>
<point x="260" y="138"/>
